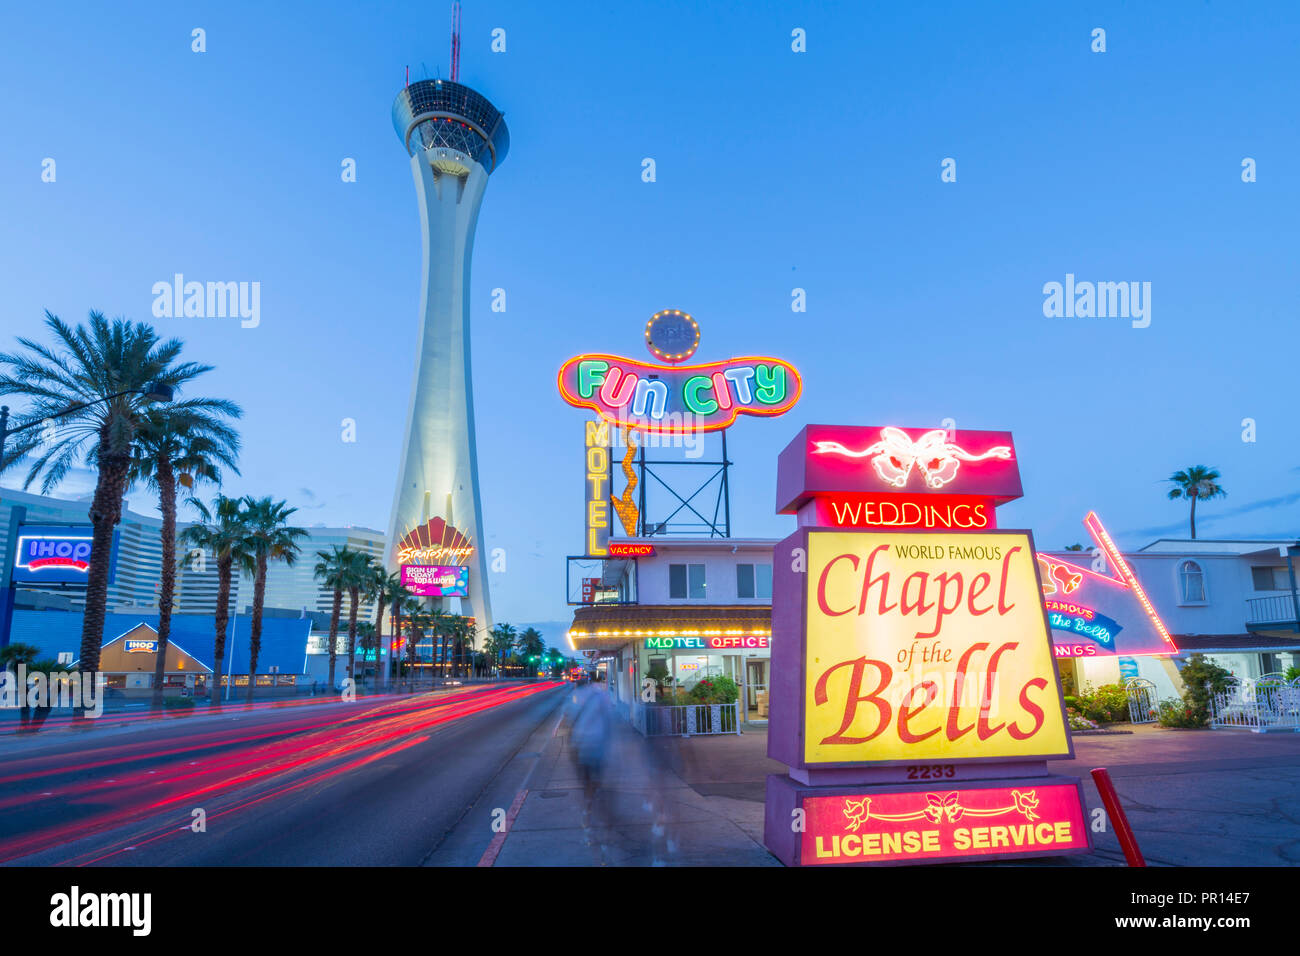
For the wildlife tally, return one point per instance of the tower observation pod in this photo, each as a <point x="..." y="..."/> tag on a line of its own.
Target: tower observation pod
<point x="455" y="139"/>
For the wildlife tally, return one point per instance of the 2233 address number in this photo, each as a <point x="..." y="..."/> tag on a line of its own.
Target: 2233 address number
<point x="936" y="771"/>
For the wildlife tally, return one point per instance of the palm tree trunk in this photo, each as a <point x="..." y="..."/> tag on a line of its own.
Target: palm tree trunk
<point x="225" y="573"/>
<point x="379" y="642"/>
<point x="105" y="512"/>
<point x="167" y="504"/>
<point x="396" y="659"/>
<point x="255" y="631"/>
<point x="334" y="632"/>
<point x="354" y="595"/>
<point x="1193" y="514"/>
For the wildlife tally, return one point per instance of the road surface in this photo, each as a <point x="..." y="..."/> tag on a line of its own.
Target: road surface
<point x="378" y="781"/>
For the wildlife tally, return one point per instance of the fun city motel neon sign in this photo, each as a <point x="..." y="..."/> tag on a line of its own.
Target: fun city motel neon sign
<point x="662" y="398"/>
<point x="914" y="696"/>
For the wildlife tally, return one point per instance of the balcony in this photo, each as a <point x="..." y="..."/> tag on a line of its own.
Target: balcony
<point x="1272" y="613"/>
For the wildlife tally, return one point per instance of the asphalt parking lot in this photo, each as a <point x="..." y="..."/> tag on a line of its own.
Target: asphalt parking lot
<point x="1193" y="797"/>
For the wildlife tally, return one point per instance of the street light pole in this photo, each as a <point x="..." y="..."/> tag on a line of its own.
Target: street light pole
<point x="4" y="432"/>
<point x="156" y="391"/>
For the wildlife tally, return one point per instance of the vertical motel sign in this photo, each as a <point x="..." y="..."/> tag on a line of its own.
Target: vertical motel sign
<point x="596" y="488"/>
<point x="914" y="697"/>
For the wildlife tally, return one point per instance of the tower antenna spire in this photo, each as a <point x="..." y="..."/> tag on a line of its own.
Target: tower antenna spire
<point x="455" y="41"/>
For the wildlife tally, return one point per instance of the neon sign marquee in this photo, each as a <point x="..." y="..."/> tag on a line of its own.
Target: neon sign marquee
<point x="679" y="398"/>
<point x="36" y="553"/>
<point x="977" y="468"/>
<point x="433" y="543"/>
<point x="56" y="554"/>
<point x="1085" y="607"/>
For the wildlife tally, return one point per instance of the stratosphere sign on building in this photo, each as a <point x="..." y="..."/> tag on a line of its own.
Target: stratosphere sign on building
<point x="914" y="694"/>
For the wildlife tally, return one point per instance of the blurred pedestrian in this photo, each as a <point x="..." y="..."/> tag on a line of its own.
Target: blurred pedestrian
<point x="591" y="733"/>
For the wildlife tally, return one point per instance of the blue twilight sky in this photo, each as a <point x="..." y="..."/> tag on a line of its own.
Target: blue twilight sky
<point x="775" y="170"/>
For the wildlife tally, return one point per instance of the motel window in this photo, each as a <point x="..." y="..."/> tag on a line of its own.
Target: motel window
<point x="1270" y="579"/>
<point x="686" y="581"/>
<point x="754" y="581"/>
<point x="1191" y="580"/>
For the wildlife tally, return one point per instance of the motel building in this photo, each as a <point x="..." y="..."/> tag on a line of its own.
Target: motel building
<point x="681" y="608"/>
<point x="690" y="608"/>
<point x="1232" y="600"/>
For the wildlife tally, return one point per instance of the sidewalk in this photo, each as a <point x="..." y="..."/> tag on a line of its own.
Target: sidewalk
<point x="644" y="813"/>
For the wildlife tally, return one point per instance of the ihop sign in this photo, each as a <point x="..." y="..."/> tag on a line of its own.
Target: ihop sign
<point x="52" y="554"/>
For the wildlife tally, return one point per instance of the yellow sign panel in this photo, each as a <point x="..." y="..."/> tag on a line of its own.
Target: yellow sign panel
<point x="927" y="647"/>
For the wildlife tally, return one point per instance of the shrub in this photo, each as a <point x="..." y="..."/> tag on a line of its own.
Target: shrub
<point x="1292" y="673"/>
<point x="1175" y="713"/>
<point x="1201" y="678"/>
<point x="714" y="690"/>
<point x="657" y="672"/>
<point x="1079" y="722"/>
<point x="180" y="703"/>
<point x="1107" y="704"/>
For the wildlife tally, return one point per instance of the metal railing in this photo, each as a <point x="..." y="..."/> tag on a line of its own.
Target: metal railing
<point x="686" y="720"/>
<point x="1265" y="705"/>
<point x="1274" y="609"/>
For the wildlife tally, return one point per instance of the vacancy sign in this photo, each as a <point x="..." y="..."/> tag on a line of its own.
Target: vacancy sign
<point x="926" y="647"/>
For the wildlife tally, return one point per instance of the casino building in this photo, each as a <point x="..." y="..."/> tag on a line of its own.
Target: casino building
<point x="454" y="139"/>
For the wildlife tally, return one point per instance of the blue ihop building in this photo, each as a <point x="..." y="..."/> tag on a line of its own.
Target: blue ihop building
<point x="284" y="639"/>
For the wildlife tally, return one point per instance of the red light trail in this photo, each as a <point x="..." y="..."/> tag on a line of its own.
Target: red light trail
<point x="148" y="790"/>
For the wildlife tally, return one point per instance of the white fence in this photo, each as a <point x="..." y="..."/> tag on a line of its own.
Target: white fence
<point x="1266" y="705"/>
<point x="686" y="720"/>
<point x="1141" y="700"/>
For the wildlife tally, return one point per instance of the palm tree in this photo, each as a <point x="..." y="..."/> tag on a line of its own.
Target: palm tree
<point x="501" y="641"/>
<point x="223" y="532"/>
<point x="439" y="624"/>
<point x="531" y="644"/>
<point x="359" y="571"/>
<point x="1198" y="483"/>
<point x="415" y="625"/>
<point x="93" y="380"/>
<point x="464" y="632"/>
<point x="368" y="638"/>
<point x="333" y="570"/>
<point x="270" y="538"/>
<point x="393" y="595"/>
<point x="176" y="446"/>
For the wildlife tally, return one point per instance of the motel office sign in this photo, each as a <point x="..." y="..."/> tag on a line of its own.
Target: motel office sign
<point x="914" y="696"/>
